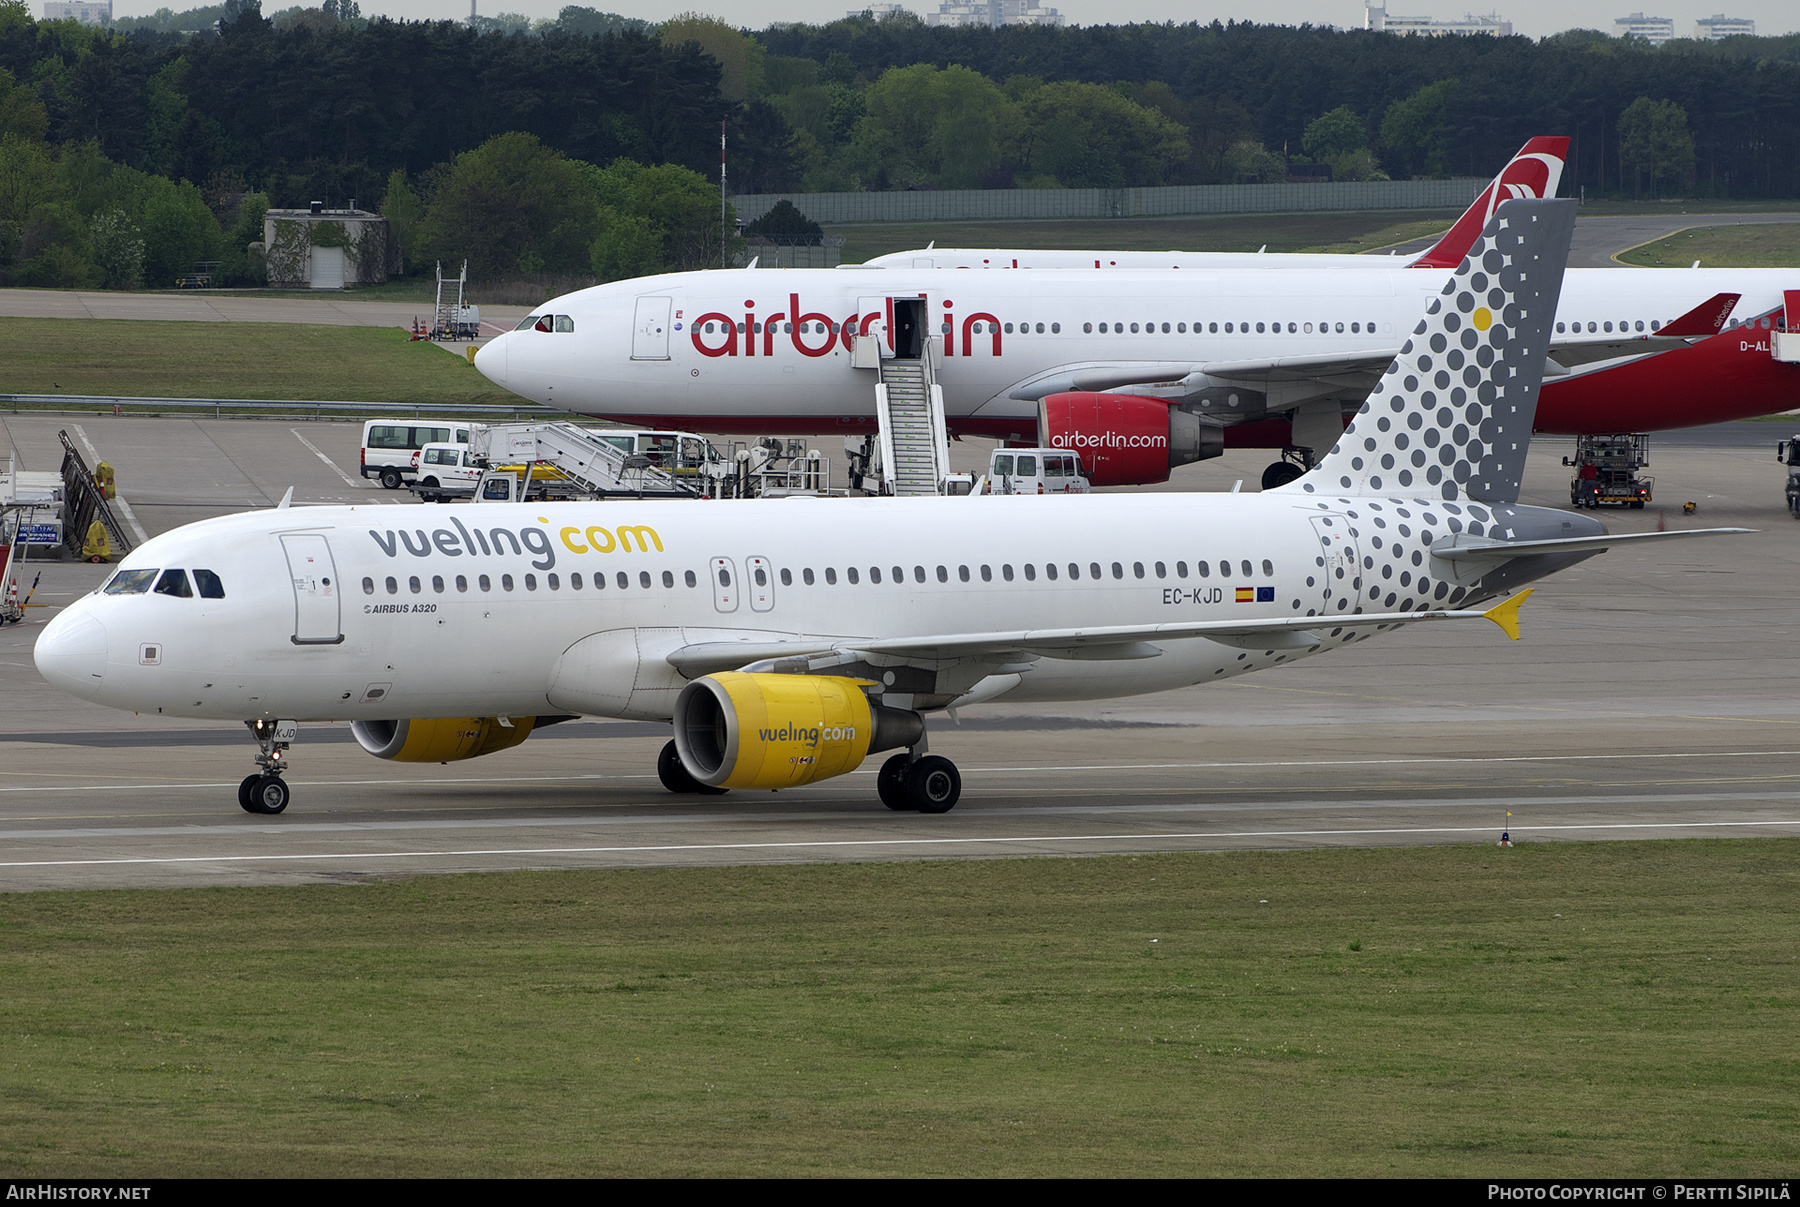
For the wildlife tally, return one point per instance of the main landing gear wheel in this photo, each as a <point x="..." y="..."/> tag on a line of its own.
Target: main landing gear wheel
<point x="933" y="784"/>
<point x="890" y="784"/>
<point x="675" y="777"/>
<point x="390" y="479"/>
<point x="1280" y="474"/>
<point x="264" y="794"/>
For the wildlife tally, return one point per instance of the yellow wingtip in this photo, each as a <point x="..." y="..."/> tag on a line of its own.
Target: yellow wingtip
<point x="1506" y="613"/>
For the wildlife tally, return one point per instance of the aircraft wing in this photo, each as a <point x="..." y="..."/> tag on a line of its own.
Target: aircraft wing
<point x="1325" y="368"/>
<point x="1349" y="370"/>
<point x="1702" y="322"/>
<point x="799" y="655"/>
<point x="1322" y="366"/>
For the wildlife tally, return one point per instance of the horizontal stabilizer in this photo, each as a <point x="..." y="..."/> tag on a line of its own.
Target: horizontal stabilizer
<point x="1463" y="547"/>
<point x="1708" y="318"/>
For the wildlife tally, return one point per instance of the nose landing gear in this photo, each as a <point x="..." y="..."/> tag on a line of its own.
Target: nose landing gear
<point x="266" y="792"/>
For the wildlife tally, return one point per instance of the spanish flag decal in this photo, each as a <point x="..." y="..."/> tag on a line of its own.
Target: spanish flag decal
<point x="1246" y="594"/>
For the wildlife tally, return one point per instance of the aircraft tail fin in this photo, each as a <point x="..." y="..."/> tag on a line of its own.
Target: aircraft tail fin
<point x="1452" y="416"/>
<point x="1534" y="172"/>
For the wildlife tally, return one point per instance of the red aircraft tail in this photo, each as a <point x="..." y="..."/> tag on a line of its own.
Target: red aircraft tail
<point x="1534" y="172"/>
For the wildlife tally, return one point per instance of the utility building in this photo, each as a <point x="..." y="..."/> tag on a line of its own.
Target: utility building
<point x="1711" y="29"/>
<point x="88" y="12"/>
<point x="1377" y="17"/>
<point x="1654" y="30"/>
<point x="994" y="13"/>
<point x="317" y="248"/>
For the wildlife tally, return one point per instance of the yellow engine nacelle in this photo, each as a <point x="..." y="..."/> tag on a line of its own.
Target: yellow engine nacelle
<point x="739" y="730"/>
<point x="441" y="739"/>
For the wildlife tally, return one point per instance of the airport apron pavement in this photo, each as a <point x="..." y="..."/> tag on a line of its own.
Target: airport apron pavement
<point x="1653" y="696"/>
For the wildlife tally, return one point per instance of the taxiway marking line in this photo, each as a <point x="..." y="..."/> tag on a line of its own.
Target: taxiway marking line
<point x="1008" y="770"/>
<point x="836" y="811"/>
<point x="888" y="842"/>
<point x="317" y="452"/>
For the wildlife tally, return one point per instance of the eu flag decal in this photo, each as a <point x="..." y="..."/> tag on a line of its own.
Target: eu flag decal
<point x="1265" y="595"/>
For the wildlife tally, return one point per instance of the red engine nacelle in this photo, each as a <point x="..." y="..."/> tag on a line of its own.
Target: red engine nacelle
<point x="1126" y="439"/>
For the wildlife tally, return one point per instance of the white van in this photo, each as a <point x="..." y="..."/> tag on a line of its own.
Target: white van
<point x="390" y="447"/>
<point x="446" y="463"/>
<point x="1035" y="471"/>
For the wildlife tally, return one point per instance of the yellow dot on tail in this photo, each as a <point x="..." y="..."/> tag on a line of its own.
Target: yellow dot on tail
<point x="1483" y="318"/>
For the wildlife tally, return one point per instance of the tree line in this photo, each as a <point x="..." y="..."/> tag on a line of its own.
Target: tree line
<point x="168" y="131"/>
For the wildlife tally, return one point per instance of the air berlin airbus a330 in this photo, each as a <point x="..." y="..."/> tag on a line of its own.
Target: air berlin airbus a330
<point x="1140" y="369"/>
<point x="785" y="640"/>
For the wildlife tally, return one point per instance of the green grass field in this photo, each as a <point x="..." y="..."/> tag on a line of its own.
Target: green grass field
<point x="1772" y="245"/>
<point x="234" y="360"/>
<point x="1328" y="232"/>
<point x="1605" y="1009"/>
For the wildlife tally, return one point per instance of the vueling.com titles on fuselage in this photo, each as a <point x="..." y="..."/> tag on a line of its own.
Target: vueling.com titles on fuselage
<point x="503" y="541"/>
<point x="813" y="333"/>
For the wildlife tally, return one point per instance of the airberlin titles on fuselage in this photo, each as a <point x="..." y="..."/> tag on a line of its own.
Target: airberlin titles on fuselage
<point x="798" y="326"/>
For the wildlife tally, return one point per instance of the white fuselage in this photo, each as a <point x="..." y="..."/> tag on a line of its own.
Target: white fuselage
<point x="998" y="330"/>
<point x="469" y="610"/>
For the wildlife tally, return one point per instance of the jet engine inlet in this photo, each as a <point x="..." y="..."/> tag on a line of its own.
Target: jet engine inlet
<point x="740" y="730"/>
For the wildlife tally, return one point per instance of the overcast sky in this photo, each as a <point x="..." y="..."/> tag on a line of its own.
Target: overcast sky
<point x="1533" y="18"/>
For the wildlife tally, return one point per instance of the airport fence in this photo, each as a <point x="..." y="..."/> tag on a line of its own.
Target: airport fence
<point x="951" y="205"/>
<point x="251" y="408"/>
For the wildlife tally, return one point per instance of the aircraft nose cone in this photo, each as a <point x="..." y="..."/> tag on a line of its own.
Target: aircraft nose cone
<point x="71" y="654"/>
<point x="491" y="360"/>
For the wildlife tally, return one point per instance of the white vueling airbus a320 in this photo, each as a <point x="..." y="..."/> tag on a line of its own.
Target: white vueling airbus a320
<point x="788" y="639"/>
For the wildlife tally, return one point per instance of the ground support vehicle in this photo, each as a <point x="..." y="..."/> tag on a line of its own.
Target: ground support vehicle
<point x="391" y="447"/>
<point x="1606" y="471"/>
<point x="1036" y="471"/>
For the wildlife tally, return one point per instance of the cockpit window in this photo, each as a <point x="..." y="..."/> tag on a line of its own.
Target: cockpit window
<point x="175" y="582"/>
<point x="545" y="322"/>
<point x="209" y="584"/>
<point x="564" y="323"/>
<point x="131" y="582"/>
<point x="528" y="322"/>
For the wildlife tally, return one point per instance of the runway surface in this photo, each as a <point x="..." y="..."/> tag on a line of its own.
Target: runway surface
<point x="1654" y="695"/>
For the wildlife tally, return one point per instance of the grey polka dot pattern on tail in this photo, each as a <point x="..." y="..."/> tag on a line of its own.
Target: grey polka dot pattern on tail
<point x="1451" y="418"/>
